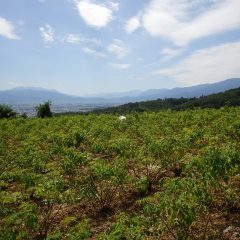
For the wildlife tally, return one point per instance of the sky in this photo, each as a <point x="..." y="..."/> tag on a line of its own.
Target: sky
<point x="83" y="47"/>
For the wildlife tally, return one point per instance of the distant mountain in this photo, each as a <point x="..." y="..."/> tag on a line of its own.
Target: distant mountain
<point x="37" y="95"/>
<point x="194" y="91"/>
<point x="187" y="92"/>
<point x="24" y="95"/>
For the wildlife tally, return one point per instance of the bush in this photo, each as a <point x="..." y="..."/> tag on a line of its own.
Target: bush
<point x="44" y="110"/>
<point x="24" y="115"/>
<point x="6" y="112"/>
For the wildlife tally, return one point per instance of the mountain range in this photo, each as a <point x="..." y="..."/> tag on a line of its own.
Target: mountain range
<point x="24" y="95"/>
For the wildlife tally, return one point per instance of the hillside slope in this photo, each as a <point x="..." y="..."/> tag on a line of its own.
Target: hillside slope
<point x="157" y="176"/>
<point x="228" y="98"/>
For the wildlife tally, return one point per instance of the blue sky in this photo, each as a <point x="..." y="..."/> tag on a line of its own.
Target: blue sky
<point x="95" y="46"/>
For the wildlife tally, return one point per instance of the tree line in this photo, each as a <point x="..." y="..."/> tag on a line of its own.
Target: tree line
<point x="227" y="98"/>
<point x="43" y="110"/>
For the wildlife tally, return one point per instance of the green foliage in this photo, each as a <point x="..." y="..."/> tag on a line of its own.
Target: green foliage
<point x="80" y="231"/>
<point x="44" y="110"/>
<point x="24" y="115"/>
<point x="7" y="112"/>
<point x="17" y="225"/>
<point x="166" y="172"/>
<point x="103" y="183"/>
<point x="125" y="228"/>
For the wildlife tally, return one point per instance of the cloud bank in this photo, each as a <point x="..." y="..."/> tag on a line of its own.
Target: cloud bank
<point x="208" y="65"/>
<point x="183" y="21"/>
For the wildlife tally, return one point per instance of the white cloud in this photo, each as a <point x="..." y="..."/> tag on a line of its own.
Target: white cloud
<point x="119" y="66"/>
<point x="7" y="29"/>
<point x="93" y="52"/>
<point x="47" y="34"/>
<point x="118" y="48"/>
<point x="15" y="84"/>
<point x="96" y="15"/>
<point x="73" y="38"/>
<point x="207" y="65"/>
<point x="183" y="21"/>
<point x="170" y="53"/>
<point x="113" y="5"/>
<point x="132" y="24"/>
<point x="77" y="39"/>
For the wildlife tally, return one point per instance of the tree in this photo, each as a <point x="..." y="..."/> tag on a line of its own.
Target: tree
<point x="6" y="112"/>
<point x="44" y="110"/>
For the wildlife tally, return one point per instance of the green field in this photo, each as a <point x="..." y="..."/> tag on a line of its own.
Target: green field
<point x="164" y="175"/>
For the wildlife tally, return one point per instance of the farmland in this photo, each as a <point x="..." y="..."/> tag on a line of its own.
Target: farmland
<point x="157" y="175"/>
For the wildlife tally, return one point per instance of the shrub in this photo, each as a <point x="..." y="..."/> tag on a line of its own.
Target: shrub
<point x="44" y="110"/>
<point x="6" y="112"/>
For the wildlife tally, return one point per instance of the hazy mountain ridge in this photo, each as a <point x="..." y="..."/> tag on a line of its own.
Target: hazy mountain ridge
<point x="38" y="95"/>
<point x="194" y="91"/>
<point x="25" y="95"/>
